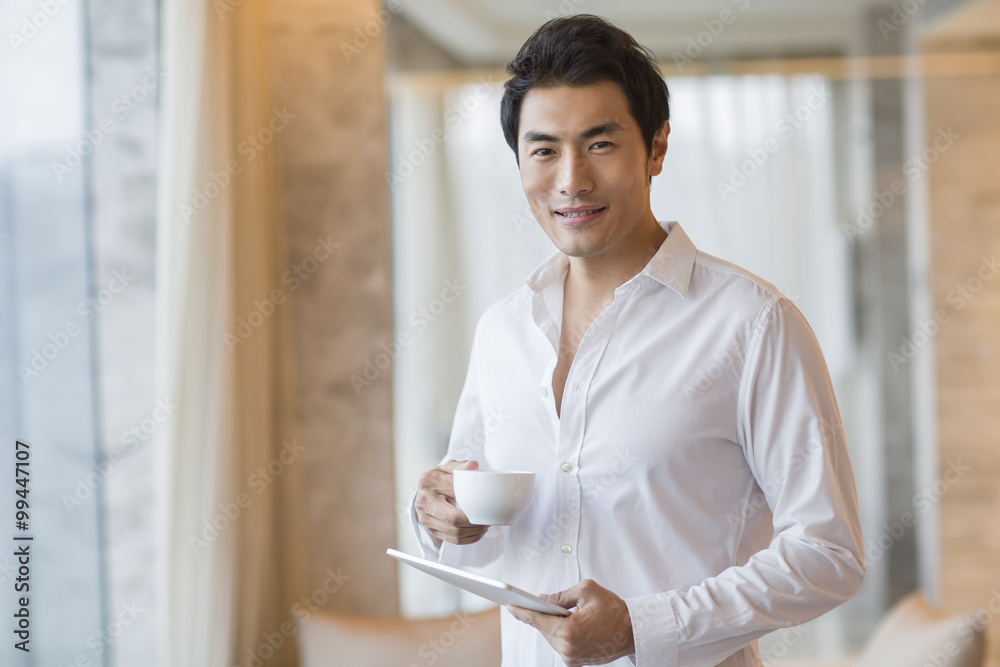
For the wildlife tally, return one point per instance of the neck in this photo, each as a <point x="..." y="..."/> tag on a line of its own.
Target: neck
<point x="595" y="279"/>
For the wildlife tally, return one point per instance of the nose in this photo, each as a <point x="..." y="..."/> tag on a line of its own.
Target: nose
<point x="574" y="175"/>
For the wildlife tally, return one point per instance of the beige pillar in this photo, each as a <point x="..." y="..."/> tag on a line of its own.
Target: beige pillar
<point x="328" y="71"/>
<point x="962" y="136"/>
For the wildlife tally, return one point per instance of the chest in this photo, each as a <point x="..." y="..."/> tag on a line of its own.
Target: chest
<point x="640" y="379"/>
<point x="575" y="325"/>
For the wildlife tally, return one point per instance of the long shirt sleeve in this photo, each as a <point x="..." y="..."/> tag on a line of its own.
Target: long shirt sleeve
<point x="468" y="436"/>
<point x="791" y="433"/>
<point x="697" y="467"/>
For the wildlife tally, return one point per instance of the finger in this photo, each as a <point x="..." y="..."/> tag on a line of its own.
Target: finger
<point x="521" y="614"/>
<point x="467" y="530"/>
<point x="437" y="481"/>
<point x="452" y="465"/>
<point x="569" y="597"/>
<point x="440" y="477"/>
<point x="463" y="530"/>
<point x="544" y="623"/>
<point x="440" y="507"/>
<point x="460" y="540"/>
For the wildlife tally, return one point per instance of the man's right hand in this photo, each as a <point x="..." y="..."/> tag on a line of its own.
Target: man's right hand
<point x="435" y="505"/>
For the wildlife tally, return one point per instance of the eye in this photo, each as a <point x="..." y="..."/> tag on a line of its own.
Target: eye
<point x="602" y="144"/>
<point x="540" y="152"/>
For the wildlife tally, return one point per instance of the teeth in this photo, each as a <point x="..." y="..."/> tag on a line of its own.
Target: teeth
<point x="577" y="215"/>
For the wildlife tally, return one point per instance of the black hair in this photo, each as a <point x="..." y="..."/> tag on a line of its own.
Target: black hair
<point x="579" y="50"/>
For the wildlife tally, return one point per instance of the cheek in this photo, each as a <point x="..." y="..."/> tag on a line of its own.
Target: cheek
<point x="624" y="184"/>
<point x="534" y="183"/>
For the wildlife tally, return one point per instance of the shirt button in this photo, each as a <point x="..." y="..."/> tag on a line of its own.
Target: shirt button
<point x="567" y="467"/>
<point x="567" y="549"/>
<point x="543" y="391"/>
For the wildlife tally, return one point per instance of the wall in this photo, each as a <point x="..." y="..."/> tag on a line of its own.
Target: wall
<point x="328" y="64"/>
<point x="965" y="284"/>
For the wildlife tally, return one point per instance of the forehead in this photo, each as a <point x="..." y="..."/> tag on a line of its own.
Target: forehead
<point x="573" y="109"/>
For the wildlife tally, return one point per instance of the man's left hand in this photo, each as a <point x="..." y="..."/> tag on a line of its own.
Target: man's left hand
<point x="598" y="631"/>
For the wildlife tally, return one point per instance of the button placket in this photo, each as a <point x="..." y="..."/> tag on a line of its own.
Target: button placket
<point x="567" y="485"/>
<point x="573" y="424"/>
<point x="544" y="382"/>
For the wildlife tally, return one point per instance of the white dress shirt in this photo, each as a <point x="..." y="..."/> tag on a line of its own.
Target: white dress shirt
<point x="697" y="469"/>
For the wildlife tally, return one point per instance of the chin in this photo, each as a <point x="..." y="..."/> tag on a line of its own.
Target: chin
<point x="579" y="249"/>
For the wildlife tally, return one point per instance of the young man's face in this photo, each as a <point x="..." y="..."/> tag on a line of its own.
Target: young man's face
<point x="580" y="149"/>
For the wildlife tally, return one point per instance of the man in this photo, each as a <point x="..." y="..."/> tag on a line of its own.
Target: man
<point x="693" y="489"/>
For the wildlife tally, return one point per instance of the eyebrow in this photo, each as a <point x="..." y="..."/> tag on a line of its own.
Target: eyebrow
<point x="609" y="127"/>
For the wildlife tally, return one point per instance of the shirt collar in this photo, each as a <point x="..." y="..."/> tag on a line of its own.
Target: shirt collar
<point x="671" y="265"/>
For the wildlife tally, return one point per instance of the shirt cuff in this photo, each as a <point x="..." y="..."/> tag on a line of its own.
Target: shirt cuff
<point x="430" y="547"/>
<point x="654" y="629"/>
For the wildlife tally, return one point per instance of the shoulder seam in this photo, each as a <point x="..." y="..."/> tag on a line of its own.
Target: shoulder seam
<point x="739" y="271"/>
<point x="753" y="345"/>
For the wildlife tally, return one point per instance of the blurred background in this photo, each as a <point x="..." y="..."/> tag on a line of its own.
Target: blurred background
<point x="244" y="245"/>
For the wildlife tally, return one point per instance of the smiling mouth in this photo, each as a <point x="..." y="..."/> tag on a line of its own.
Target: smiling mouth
<point x="580" y="214"/>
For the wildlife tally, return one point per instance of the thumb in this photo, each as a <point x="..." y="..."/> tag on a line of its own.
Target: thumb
<point x="566" y="598"/>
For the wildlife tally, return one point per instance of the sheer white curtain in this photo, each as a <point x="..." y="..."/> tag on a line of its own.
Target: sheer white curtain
<point x="462" y="212"/>
<point x="773" y="137"/>
<point x="224" y="563"/>
<point x="462" y="238"/>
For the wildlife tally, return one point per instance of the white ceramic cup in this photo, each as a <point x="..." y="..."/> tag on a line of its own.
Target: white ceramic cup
<point x="493" y="497"/>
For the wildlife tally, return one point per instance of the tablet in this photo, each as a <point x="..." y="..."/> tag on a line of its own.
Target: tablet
<point x="484" y="587"/>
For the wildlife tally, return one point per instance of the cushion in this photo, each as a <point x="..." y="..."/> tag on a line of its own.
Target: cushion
<point x="915" y="635"/>
<point x="328" y="640"/>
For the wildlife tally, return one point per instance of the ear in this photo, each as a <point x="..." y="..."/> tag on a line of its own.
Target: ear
<point x="655" y="163"/>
